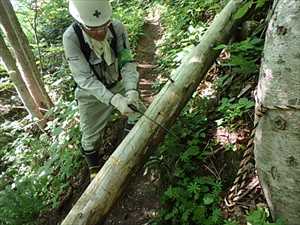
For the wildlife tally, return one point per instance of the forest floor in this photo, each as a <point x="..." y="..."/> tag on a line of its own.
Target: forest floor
<point x="140" y="200"/>
<point x="10" y="105"/>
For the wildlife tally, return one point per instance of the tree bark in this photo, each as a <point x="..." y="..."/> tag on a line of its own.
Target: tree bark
<point x="103" y="191"/>
<point x="277" y="138"/>
<point x="24" y="55"/>
<point x="16" y="78"/>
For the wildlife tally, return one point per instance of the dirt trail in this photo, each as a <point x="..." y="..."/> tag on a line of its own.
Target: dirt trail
<point x="140" y="199"/>
<point x="146" y="55"/>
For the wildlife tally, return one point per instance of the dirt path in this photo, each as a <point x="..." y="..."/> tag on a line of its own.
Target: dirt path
<point x="146" y="55"/>
<point x="140" y="200"/>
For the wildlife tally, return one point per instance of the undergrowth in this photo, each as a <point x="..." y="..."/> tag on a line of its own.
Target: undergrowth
<point x="38" y="168"/>
<point x="191" y="197"/>
<point x="184" y="23"/>
<point x="193" y="190"/>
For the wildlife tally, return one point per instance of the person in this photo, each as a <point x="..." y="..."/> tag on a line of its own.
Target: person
<point x="97" y="50"/>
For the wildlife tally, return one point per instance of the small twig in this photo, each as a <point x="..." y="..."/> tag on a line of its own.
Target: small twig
<point x="221" y="170"/>
<point x="217" y="172"/>
<point x="215" y="151"/>
<point x="207" y="144"/>
<point x="43" y="109"/>
<point x="21" y="107"/>
<point x="14" y="92"/>
<point x="210" y="170"/>
<point x="12" y="107"/>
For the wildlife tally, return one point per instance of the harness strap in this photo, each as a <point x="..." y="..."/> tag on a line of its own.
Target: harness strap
<point x="113" y="43"/>
<point x="84" y="47"/>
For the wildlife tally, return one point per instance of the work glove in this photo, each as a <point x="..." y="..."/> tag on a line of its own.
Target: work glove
<point x="121" y="103"/>
<point x="134" y="98"/>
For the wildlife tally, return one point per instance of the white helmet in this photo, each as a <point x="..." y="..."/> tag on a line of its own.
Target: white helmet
<point x="91" y="13"/>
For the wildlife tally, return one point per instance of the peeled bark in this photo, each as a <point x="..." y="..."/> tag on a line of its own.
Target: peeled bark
<point x="103" y="191"/>
<point x="277" y="138"/>
<point x="15" y="76"/>
<point x="24" y="55"/>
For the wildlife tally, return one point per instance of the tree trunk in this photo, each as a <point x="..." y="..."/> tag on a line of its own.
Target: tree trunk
<point x="103" y="191"/>
<point x="277" y="138"/>
<point x="15" y="76"/>
<point x="24" y="55"/>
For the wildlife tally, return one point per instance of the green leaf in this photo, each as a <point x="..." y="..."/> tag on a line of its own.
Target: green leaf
<point x="243" y="10"/>
<point x="185" y="215"/>
<point x="220" y="47"/>
<point x="189" y="153"/>
<point x="193" y="188"/>
<point x="208" y="199"/>
<point x="199" y="214"/>
<point x="216" y="216"/>
<point x="260" y="3"/>
<point x="227" y="222"/>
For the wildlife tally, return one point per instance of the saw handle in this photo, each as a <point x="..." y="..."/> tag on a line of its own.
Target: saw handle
<point x="133" y="107"/>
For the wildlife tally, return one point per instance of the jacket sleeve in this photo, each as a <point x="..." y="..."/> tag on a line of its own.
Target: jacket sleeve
<point x="126" y="62"/>
<point x="82" y="73"/>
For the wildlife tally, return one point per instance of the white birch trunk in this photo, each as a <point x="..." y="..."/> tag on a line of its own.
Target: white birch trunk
<point x="24" y="55"/>
<point x="277" y="138"/>
<point x="100" y="195"/>
<point x="16" y="78"/>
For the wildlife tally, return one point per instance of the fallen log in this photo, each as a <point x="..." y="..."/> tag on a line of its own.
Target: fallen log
<point x="106" y="187"/>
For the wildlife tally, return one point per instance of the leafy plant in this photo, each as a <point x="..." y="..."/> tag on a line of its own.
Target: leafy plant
<point x="192" y="201"/>
<point x="243" y="55"/>
<point x="190" y="197"/>
<point x="179" y="156"/>
<point x="40" y="167"/>
<point x="20" y="204"/>
<point x="247" y="5"/>
<point x="184" y="24"/>
<point x="230" y="223"/>
<point x="243" y="9"/>
<point x="131" y="13"/>
<point x="260" y="216"/>
<point x="232" y="111"/>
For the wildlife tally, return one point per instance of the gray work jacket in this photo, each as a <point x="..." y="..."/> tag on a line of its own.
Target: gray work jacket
<point x="82" y="73"/>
